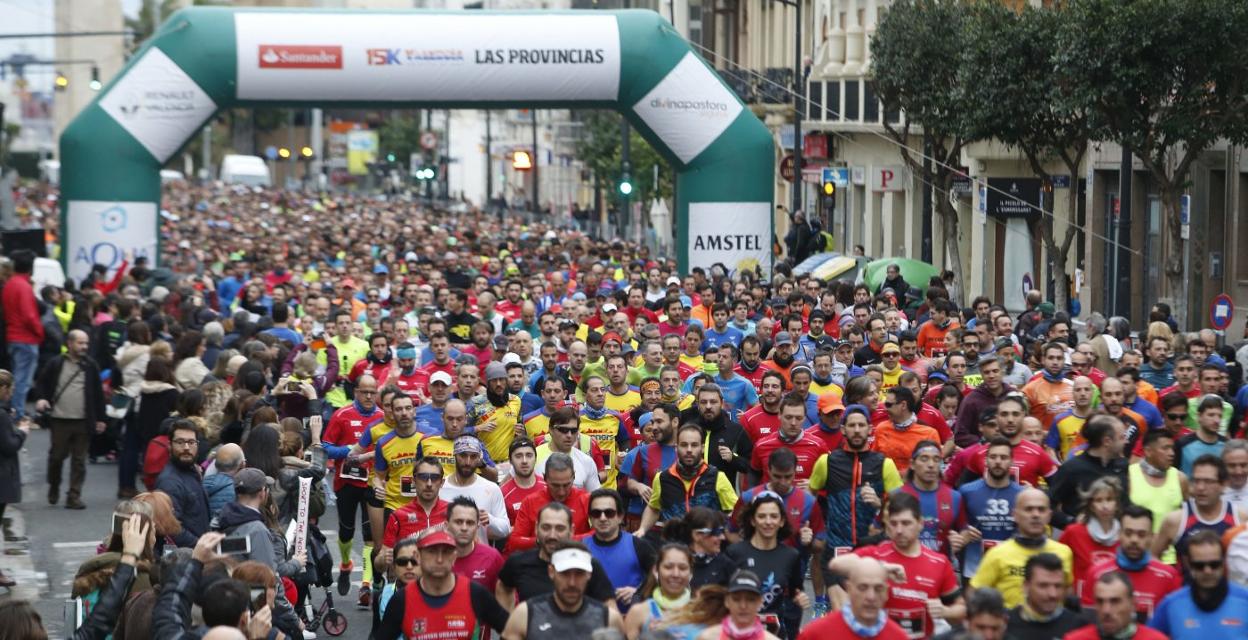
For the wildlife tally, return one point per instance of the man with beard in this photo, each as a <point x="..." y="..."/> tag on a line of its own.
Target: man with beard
<point x="1049" y="394"/>
<point x="855" y="479"/>
<point x="643" y="462"/>
<point x="482" y="345"/>
<point x="458" y="321"/>
<point x="604" y="426"/>
<point x="1030" y="462"/>
<point x="987" y="394"/>
<point x="523" y="481"/>
<point x="751" y="366"/>
<point x="689" y="483"/>
<point x="572" y="607"/>
<point x="805" y="447"/>
<point x="409" y="378"/>
<point x="728" y="447"/>
<point x="559" y="489"/>
<point x="484" y="493"/>
<point x="426" y="511"/>
<point x="781" y="356"/>
<point x="441" y="604"/>
<point x="929" y="590"/>
<point x="989" y="502"/>
<point x="670" y="388"/>
<point x="181" y="479"/>
<point x="474" y="559"/>
<point x="1150" y="579"/>
<point x="1116" y="606"/>
<point x="1103" y="457"/>
<point x="496" y="413"/>
<point x="1209" y="602"/>
<point x="763" y="419"/>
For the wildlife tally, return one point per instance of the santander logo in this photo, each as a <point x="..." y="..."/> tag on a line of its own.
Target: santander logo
<point x="300" y="56"/>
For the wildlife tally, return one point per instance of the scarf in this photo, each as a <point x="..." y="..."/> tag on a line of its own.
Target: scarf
<point x="594" y="414"/>
<point x="1052" y="378"/>
<point x="902" y="426"/>
<point x="1126" y="634"/>
<point x="670" y="604"/>
<point x="689" y="474"/>
<point x="1151" y="471"/>
<point x="1030" y="615"/>
<point x="861" y="630"/>
<point x="1129" y="565"/>
<point x="1100" y="535"/>
<point x="784" y="362"/>
<point x="731" y="632"/>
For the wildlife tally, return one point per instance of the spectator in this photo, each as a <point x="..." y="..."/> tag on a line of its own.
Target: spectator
<point x="12" y="437"/>
<point x="182" y="480"/>
<point x="220" y="485"/>
<point x="23" y="330"/>
<point x="69" y="387"/>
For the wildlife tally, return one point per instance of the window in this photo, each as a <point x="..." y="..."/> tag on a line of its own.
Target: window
<point x="871" y="104"/>
<point x="814" y="100"/>
<point x="851" y="100"/>
<point x="832" y="102"/>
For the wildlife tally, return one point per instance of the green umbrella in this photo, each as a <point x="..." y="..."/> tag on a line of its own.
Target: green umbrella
<point x="916" y="272"/>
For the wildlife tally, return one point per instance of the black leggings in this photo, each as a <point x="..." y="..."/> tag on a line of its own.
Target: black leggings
<point x="351" y="499"/>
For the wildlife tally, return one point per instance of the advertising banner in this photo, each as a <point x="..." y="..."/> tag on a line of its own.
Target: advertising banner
<point x="689" y="108"/>
<point x="158" y="104"/>
<point x="428" y="57"/>
<point x="361" y="150"/>
<point x="104" y="231"/>
<point x="737" y="234"/>
<point x="1021" y="197"/>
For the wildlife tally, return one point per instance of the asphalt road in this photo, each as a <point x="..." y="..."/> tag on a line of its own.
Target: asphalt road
<point x="59" y="540"/>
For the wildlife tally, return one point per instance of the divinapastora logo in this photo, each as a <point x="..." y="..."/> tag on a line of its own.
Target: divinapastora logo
<point x="300" y="56"/>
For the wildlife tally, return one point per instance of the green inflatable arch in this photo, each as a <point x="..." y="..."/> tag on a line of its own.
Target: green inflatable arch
<point x="204" y="59"/>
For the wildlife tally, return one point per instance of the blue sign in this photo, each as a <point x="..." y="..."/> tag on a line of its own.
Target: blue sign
<point x="837" y="175"/>
<point x="1221" y="311"/>
<point x="1060" y="182"/>
<point x="270" y="152"/>
<point x="1185" y="209"/>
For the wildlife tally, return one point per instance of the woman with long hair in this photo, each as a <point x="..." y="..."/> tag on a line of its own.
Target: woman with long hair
<point x="764" y="528"/>
<point x="1093" y="538"/>
<point x="667" y="587"/>
<point x="190" y="371"/>
<point x="261" y="450"/>
<point x="158" y="397"/>
<point x="723" y="613"/>
<point x="164" y="521"/>
<point x="11" y="440"/>
<point x="94" y="575"/>
<point x="702" y="530"/>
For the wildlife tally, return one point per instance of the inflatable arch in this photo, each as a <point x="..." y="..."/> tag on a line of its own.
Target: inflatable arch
<point x="204" y="59"/>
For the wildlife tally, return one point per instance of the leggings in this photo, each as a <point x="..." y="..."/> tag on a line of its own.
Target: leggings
<point x="351" y="499"/>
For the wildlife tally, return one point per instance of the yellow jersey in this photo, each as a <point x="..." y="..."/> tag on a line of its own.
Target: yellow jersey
<point x="396" y="458"/>
<point x="606" y="431"/>
<point x="1002" y="568"/>
<point x="498" y="440"/>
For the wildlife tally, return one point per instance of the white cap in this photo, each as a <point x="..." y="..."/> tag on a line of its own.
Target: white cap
<point x="673" y="280"/>
<point x="510" y="357"/>
<point x="610" y="307"/>
<point x="568" y="559"/>
<point x="440" y="376"/>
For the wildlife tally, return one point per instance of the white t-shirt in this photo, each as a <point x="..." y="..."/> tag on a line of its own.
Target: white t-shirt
<point x="584" y="470"/>
<point x="489" y="498"/>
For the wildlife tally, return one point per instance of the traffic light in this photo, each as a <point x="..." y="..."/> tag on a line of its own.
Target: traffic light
<point x="829" y="188"/>
<point x="626" y="185"/>
<point x="306" y="152"/>
<point x="521" y="161"/>
<point x="283" y="153"/>
<point x="95" y="79"/>
<point x="62" y="81"/>
<point x="389" y="157"/>
<point x="425" y="173"/>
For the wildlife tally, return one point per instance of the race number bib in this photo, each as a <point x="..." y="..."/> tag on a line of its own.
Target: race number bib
<point x="911" y="621"/>
<point x="354" y="472"/>
<point x="407" y="487"/>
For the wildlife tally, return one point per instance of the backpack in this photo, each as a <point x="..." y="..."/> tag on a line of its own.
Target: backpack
<point x="154" y="460"/>
<point x="320" y="567"/>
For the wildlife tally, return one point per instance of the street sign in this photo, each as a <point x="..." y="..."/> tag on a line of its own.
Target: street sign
<point x="787" y="166"/>
<point x="1221" y="311"/>
<point x="428" y="141"/>
<point x="1013" y="197"/>
<point x="1060" y="182"/>
<point x="838" y="175"/>
<point x="1185" y="216"/>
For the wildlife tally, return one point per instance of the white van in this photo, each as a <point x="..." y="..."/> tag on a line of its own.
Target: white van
<point x="247" y="170"/>
<point x="47" y="272"/>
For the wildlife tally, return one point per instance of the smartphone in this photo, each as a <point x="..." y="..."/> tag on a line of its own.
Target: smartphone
<point x="119" y="521"/>
<point x="234" y="545"/>
<point x="292" y="387"/>
<point x="307" y="456"/>
<point x="258" y="600"/>
<point x="75" y="613"/>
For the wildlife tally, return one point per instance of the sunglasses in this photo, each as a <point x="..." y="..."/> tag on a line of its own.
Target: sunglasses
<point x="566" y="430"/>
<point x="429" y="477"/>
<point x="717" y="531"/>
<point x="603" y="513"/>
<point x="405" y="562"/>
<point x="1177" y="416"/>
<point x="1211" y="565"/>
<point x="889" y="405"/>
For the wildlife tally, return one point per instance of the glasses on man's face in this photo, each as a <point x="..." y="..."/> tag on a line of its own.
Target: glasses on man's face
<point x="1205" y="565"/>
<point x="603" y="513"/>
<point x="1176" y="416"/>
<point x="566" y="430"/>
<point x="184" y="443"/>
<point x="405" y="562"/>
<point x="428" y="477"/>
<point x="716" y="532"/>
<point x="889" y="405"/>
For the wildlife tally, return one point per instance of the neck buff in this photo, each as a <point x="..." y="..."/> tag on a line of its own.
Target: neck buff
<point x="1151" y="471"/>
<point x="375" y="360"/>
<point x="1209" y="601"/>
<point x="1127" y="564"/>
<point x="750" y="368"/>
<point x="689" y="473"/>
<point x="1126" y="634"/>
<point x="822" y="381"/>
<point x="1100" y="535"/>
<point x="861" y="630"/>
<point x="1030" y="543"/>
<point x="1052" y="378"/>
<point x="1030" y="615"/>
<point x="731" y="632"/>
<point x="594" y="414"/>
<point x="783" y="362"/>
<point x="670" y="604"/>
<point x="905" y="424"/>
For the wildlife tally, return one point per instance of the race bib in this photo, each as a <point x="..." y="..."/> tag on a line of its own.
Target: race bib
<point x="407" y="487"/>
<point x="911" y="621"/>
<point x="354" y="472"/>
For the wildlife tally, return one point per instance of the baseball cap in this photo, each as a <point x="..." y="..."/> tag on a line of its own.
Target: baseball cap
<point x="890" y="347"/>
<point x="686" y="302"/>
<point x="250" y="481"/>
<point x="783" y="338"/>
<point x="510" y="358"/>
<point x="500" y="342"/>
<point x="440" y="376"/>
<point x="381" y="268"/>
<point x="495" y="371"/>
<point x="610" y="307"/>
<point x="467" y="444"/>
<point x="778" y="302"/>
<point x="436" y="539"/>
<point x="744" y="580"/>
<point x="843" y="343"/>
<point x="830" y="402"/>
<point x="1003" y="343"/>
<point x="348" y="283"/>
<point x="411" y="257"/>
<point x="611" y="335"/>
<point x="569" y="559"/>
<point x="673" y="280"/>
<point x="644" y="419"/>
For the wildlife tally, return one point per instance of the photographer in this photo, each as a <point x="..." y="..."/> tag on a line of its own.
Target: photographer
<point x="225" y="602"/>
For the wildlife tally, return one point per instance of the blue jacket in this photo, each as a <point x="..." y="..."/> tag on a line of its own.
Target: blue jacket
<point x="220" y="490"/>
<point x="190" y="502"/>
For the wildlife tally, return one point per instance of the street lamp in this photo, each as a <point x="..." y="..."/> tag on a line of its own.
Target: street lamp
<point x="283" y="153"/>
<point x="95" y="83"/>
<point x="306" y="152"/>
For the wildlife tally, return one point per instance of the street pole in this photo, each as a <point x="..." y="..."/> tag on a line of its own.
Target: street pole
<point x="489" y="163"/>
<point x="799" y="104"/>
<point x="205" y="151"/>
<point x="625" y="133"/>
<point x="537" y="200"/>
<point x="317" y="140"/>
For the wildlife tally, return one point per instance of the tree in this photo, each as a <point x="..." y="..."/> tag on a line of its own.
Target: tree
<point x="1008" y="68"/>
<point x="145" y="24"/>
<point x="399" y="135"/>
<point x="1166" y="79"/>
<point x="599" y="148"/>
<point x="914" y="69"/>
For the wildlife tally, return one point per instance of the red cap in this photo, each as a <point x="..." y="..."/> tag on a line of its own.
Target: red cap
<point x="611" y="335"/>
<point x="348" y="282"/>
<point x="436" y="539"/>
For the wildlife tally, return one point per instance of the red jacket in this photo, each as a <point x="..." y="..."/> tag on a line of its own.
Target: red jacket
<point x="1090" y="632"/>
<point x="524" y="533"/>
<point x="21" y="312"/>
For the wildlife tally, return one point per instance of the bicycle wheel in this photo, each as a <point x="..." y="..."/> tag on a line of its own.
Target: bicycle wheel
<point x="334" y="623"/>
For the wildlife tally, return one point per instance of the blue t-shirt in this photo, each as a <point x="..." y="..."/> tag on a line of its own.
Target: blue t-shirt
<point x="991" y="511"/>
<point x="739" y="393"/>
<point x="429" y="420"/>
<point x="929" y="502"/>
<point x="1148" y="411"/>
<point x="1178" y="616"/>
<point x="667" y="458"/>
<point x="426" y="355"/>
<point x="1195" y="449"/>
<point x="283" y="333"/>
<point x="714" y="338"/>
